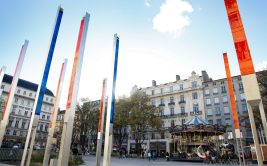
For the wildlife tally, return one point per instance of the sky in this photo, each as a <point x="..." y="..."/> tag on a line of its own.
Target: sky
<point x="158" y="40"/>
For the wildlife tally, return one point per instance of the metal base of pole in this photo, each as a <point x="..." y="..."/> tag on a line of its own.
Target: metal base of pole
<point x="34" y="129"/>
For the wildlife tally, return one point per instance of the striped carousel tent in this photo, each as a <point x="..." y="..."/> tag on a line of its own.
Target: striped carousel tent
<point x="196" y="121"/>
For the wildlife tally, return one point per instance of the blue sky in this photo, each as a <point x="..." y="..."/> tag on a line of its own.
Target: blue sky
<point x="149" y="50"/>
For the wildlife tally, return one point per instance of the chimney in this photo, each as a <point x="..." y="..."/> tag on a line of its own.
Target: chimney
<point x="154" y="83"/>
<point x="205" y="76"/>
<point x="177" y="77"/>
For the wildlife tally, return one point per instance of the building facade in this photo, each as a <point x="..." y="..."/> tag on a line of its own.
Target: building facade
<point x="178" y="102"/>
<point x="21" y="111"/>
<point x="218" y="106"/>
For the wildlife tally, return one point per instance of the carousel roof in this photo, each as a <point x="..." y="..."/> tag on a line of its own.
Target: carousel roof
<point x="195" y="121"/>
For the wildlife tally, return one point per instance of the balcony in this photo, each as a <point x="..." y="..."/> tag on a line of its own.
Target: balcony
<point x="182" y="114"/>
<point x="161" y="105"/>
<point x="196" y="113"/>
<point x="171" y="103"/>
<point x="182" y="102"/>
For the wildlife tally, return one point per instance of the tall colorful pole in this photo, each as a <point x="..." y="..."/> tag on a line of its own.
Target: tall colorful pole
<point x="233" y="104"/>
<point x="101" y="123"/>
<point x="54" y="113"/>
<point x="41" y="91"/>
<point x="111" y="105"/>
<point x="251" y="88"/>
<point x="2" y="73"/>
<point x="73" y="92"/>
<point x="11" y="93"/>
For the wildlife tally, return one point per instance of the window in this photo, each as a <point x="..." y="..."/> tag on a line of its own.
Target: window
<point x="43" y="116"/>
<point x="21" y="102"/>
<point x="48" y="117"/>
<point x="16" y="100"/>
<point x="171" y="99"/>
<point x="225" y="99"/>
<point x="2" y="86"/>
<point x="13" y="110"/>
<point x="51" y="100"/>
<point x="41" y="127"/>
<point x="209" y="111"/>
<point x="228" y="121"/>
<point x="153" y="136"/>
<point x="194" y="95"/>
<point x="30" y="94"/>
<point x="207" y="92"/>
<point x="244" y="108"/>
<point x="182" y="110"/>
<point x="172" y="123"/>
<point x="214" y="83"/>
<point x="222" y="82"/>
<point x="19" y="113"/>
<point x="219" y="121"/>
<point x="240" y="85"/>
<point x="194" y="84"/>
<point x="7" y="132"/>
<point x="28" y="103"/>
<point x="23" y="124"/>
<point x="181" y="86"/>
<point x="183" y="121"/>
<point x="17" y="123"/>
<point x="10" y="123"/>
<point x="242" y="96"/>
<point x="161" y="101"/>
<point x="152" y="92"/>
<point x="14" y="132"/>
<point x="182" y="98"/>
<point x="208" y="102"/>
<point x="18" y="91"/>
<point x="215" y="90"/>
<point x="162" y="135"/>
<point x="161" y="90"/>
<point x="46" y="127"/>
<point x="195" y="108"/>
<point x="44" y="107"/>
<point x="171" y="88"/>
<point x="26" y="113"/>
<point x="161" y="112"/>
<point x="226" y="110"/>
<point x="172" y="111"/>
<point x="24" y="92"/>
<point x="46" y="99"/>
<point x="218" y="110"/>
<point x="153" y="103"/>
<point x="223" y="89"/>
<point x="216" y="100"/>
<point x="210" y="122"/>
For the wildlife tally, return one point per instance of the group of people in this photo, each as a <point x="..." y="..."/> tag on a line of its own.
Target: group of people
<point x="152" y="155"/>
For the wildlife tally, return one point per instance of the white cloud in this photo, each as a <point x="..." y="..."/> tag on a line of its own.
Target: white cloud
<point x="147" y="3"/>
<point x="171" y="18"/>
<point x="261" y="66"/>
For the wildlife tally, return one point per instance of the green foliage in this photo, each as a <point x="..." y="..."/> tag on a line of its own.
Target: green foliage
<point x="75" y="160"/>
<point x="137" y="113"/>
<point x="37" y="156"/>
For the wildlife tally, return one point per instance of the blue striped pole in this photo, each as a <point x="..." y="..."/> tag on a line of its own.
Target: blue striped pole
<point x="111" y="105"/>
<point x="41" y="91"/>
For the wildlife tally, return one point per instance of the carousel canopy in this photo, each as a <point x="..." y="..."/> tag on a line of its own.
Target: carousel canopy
<point x="195" y="121"/>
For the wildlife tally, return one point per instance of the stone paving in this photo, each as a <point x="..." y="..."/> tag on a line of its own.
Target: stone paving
<point x="90" y="161"/>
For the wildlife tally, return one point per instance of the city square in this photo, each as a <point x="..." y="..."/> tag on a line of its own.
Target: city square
<point x="180" y="82"/>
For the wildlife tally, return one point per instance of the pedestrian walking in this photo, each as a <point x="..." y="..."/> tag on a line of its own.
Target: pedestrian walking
<point x="149" y="156"/>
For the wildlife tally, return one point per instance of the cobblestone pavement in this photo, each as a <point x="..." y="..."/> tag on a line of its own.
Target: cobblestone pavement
<point x="90" y="161"/>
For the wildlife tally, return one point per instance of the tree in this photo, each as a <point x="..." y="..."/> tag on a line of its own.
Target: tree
<point x="85" y="124"/>
<point x="120" y="130"/>
<point x="143" y="118"/>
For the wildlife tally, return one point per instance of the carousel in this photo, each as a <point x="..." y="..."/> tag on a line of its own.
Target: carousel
<point x="194" y="138"/>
